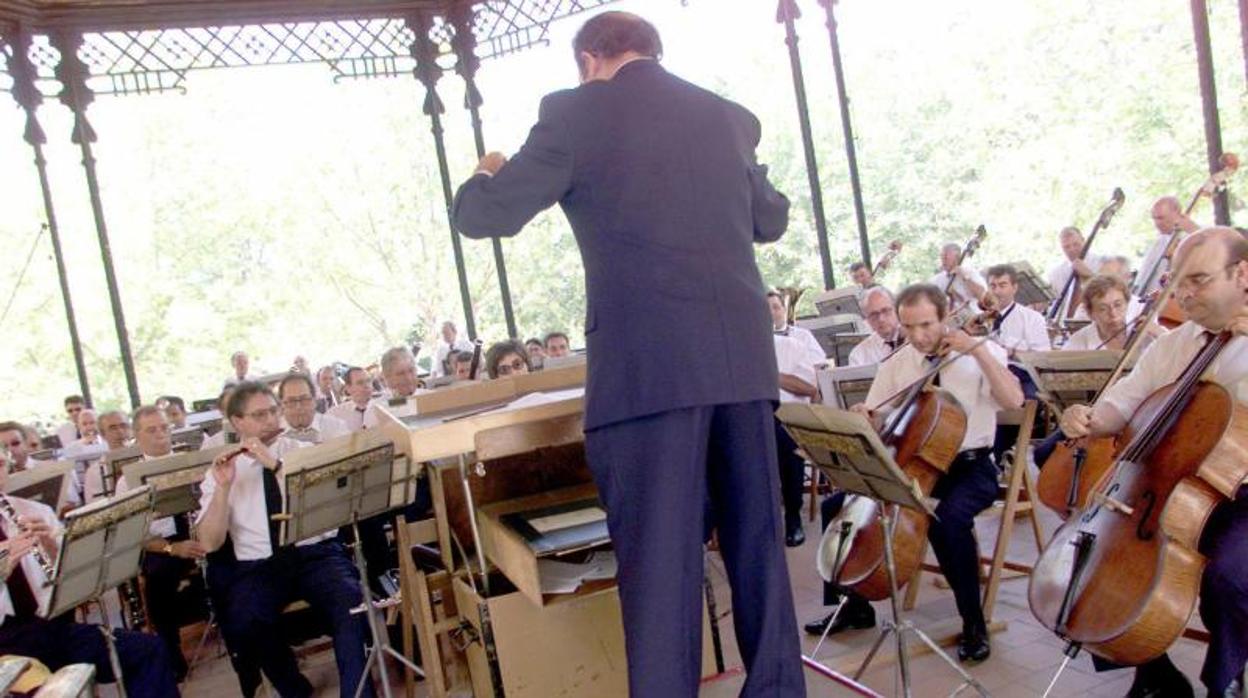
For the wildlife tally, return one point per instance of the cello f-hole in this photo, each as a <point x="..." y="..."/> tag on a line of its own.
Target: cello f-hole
<point x="1150" y="501"/>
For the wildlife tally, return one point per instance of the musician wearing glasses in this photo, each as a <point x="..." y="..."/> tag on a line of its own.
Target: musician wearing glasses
<point x="300" y="419"/>
<point x="975" y="373"/>
<point x="797" y="355"/>
<point x="1213" y="292"/>
<point x="968" y="286"/>
<point x="885" y="337"/>
<point x="68" y="432"/>
<point x="1107" y="303"/>
<point x="28" y="543"/>
<point x="170" y="552"/>
<point x="252" y="579"/>
<point x="506" y="359"/>
<point x="358" y="387"/>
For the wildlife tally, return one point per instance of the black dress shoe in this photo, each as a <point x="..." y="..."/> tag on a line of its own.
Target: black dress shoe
<point x="1160" y="678"/>
<point x="854" y="616"/>
<point x="794" y="536"/>
<point x="973" y="646"/>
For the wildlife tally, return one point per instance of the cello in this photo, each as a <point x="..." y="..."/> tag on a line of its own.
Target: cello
<point x="925" y="433"/>
<point x="1067" y="302"/>
<point x="1122" y="577"/>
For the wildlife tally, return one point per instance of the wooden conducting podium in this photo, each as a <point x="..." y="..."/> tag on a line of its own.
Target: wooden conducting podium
<point x="521" y="530"/>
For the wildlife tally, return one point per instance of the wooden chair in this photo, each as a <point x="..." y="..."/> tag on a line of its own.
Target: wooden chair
<point x="1013" y="505"/>
<point x="429" y="606"/>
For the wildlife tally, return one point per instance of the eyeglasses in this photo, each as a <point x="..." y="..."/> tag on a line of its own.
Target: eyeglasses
<point x="296" y="401"/>
<point x="512" y="366"/>
<point x="1195" y="282"/>
<point x="258" y="415"/>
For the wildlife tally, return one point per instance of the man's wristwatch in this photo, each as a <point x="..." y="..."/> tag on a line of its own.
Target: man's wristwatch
<point x="168" y="549"/>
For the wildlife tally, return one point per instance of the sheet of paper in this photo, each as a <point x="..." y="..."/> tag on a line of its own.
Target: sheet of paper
<point x="567" y="519"/>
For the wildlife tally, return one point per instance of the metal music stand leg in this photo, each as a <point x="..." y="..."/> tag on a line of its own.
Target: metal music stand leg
<point x="381" y="639"/>
<point x="111" y="642"/>
<point x="900" y="627"/>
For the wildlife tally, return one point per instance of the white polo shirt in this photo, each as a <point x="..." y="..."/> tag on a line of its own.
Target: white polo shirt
<point x="797" y="353"/>
<point x="350" y="414"/>
<point x="962" y="378"/>
<point x="249" y="516"/>
<point x="322" y="428"/>
<point x="1166" y="358"/>
<point x="873" y="349"/>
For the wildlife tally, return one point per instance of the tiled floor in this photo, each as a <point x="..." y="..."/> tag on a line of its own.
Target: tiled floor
<point x="1025" y="655"/>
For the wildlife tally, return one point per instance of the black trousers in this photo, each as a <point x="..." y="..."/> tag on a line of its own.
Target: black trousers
<point x="162" y="575"/>
<point x="378" y="555"/>
<point x="145" y="667"/>
<point x="792" y="474"/>
<point x="654" y="474"/>
<point x="967" y="489"/>
<point x="253" y="593"/>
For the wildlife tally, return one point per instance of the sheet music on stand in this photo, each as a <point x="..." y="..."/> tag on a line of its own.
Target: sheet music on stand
<point x="1069" y="377"/>
<point x="846" y="448"/>
<point x="101" y="548"/>
<point x="175" y="479"/>
<point x="46" y="483"/>
<point x="844" y="387"/>
<point x="836" y="334"/>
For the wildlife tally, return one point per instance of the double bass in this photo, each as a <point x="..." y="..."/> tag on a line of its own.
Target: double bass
<point x="882" y="264"/>
<point x="925" y="432"/>
<point x="1067" y="302"/>
<point x="1121" y="578"/>
<point x="968" y="251"/>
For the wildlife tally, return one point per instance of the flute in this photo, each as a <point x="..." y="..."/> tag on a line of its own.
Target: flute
<point x="10" y="514"/>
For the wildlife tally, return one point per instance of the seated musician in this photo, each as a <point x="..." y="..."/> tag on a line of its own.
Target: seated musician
<point x="537" y="352"/>
<point x="241" y="363"/>
<point x="57" y="642"/>
<point x="1105" y="300"/>
<point x="1168" y="218"/>
<point x="328" y="389"/>
<point x="983" y="386"/>
<point x="1212" y="291"/>
<point x="1015" y="328"/>
<point x="797" y="354"/>
<point x="226" y="433"/>
<point x="462" y="363"/>
<point x="115" y="426"/>
<point x="358" y="387"/>
<point x="508" y="359"/>
<point x="877" y="308"/>
<point x="1072" y="244"/>
<point x="170" y="554"/>
<point x="398" y="372"/>
<point x="89" y="439"/>
<point x="252" y="579"/>
<point x="300" y="419"/>
<point x="967" y="287"/>
<point x="175" y="410"/>
<point x="68" y="432"/>
<point x="556" y="345"/>
<point x="16" y="437"/>
<point x="862" y="276"/>
<point x="449" y="342"/>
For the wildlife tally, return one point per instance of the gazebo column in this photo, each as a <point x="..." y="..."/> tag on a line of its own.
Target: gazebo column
<point x="428" y="72"/>
<point x="466" y="65"/>
<point x="786" y="14"/>
<point x="72" y="73"/>
<point x="1209" y="103"/>
<point x="29" y="99"/>
<point x="851" y="153"/>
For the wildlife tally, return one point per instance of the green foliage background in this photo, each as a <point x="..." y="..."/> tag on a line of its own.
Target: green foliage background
<point x="277" y="211"/>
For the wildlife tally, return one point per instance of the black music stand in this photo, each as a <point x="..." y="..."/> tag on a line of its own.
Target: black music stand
<point x="337" y="484"/>
<point x="839" y="301"/>
<point x="1032" y="290"/>
<point x="101" y="549"/>
<point x="846" y="448"/>
<point x="844" y="387"/>
<point x="47" y="484"/>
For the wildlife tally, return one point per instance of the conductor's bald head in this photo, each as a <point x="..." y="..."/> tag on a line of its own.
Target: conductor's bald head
<point x="611" y="39"/>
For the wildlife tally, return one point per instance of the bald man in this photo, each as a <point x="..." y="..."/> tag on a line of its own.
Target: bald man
<point x="1213" y="292"/>
<point x="1168" y="217"/>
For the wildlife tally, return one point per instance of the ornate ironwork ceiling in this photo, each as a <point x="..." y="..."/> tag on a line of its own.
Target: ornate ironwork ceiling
<point x="145" y="58"/>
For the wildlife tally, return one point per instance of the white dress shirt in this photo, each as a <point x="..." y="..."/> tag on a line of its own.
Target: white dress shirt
<point x="249" y="515"/>
<point x="1086" y="339"/>
<point x="322" y="428"/>
<point x="797" y="353"/>
<point x="1151" y="257"/>
<point x="941" y="279"/>
<point x="1166" y="358"/>
<point x="1022" y="329"/>
<point x="350" y="414"/>
<point x="961" y="377"/>
<point x="872" y="350"/>
<point x="443" y="351"/>
<point x="34" y="575"/>
<point x="1060" y="274"/>
<point x="67" y="433"/>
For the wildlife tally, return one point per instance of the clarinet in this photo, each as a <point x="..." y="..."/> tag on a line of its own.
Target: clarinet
<point x="10" y="514"/>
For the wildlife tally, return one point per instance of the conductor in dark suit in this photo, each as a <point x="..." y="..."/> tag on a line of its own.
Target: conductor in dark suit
<point x="659" y="181"/>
